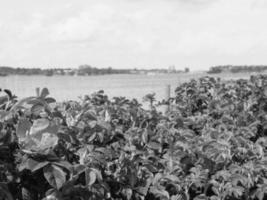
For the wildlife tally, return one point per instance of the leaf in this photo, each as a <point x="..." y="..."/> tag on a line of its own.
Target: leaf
<point x="177" y="197"/>
<point x="90" y="115"/>
<point x="48" y="140"/>
<point x="92" y="137"/>
<point x="98" y="174"/>
<point x="145" y="137"/>
<point x="215" y="198"/>
<point x="83" y="152"/>
<point x="127" y="192"/>
<point x="37" y="108"/>
<point x="238" y="178"/>
<point x="39" y="125"/>
<point x="90" y="177"/>
<point x="157" y="178"/>
<point x="43" y="125"/>
<point x="78" y="169"/>
<point x="215" y="190"/>
<point x="24" y="126"/>
<point x="237" y="191"/>
<point x="55" y="176"/>
<point x="142" y="190"/>
<point x="151" y="167"/>
<point x="44" y="93"/>
<point x="159" y="193"/>
<point x="179" y="122"/>
<point x="92" y="124"/>
<point x="5" y="194"/>
<point x="4" y="115"/>
<point x="3" y="99"/>
<point x="30" y="143"/>
<point x="39" y="166"/>
<point x="64" y="164"/>
<point x="104" y="124"/>
<point x="260" y="195"/>
<point x="183" y="145"/>
<point x="8" y="92"/>
<point x="34" y="165"/>
<point x="21" y="103"/>
<point x="50" y="100"/>
<point x="65" y="137"/>
<point x="201" y="197"/>
<point x="172" y="178"/>
<point x="107" y="116"/>
<point x="154" y="145"/>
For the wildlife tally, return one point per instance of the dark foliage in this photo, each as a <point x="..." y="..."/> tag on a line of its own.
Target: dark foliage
<point x="211" y="145"/>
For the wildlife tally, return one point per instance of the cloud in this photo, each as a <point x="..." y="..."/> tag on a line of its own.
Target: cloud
<point x="135" y="33"/>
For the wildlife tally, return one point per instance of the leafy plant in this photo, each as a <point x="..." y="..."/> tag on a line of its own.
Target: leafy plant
<point x="210" y="145"/>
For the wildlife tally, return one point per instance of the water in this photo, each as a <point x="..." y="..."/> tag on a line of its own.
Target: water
<point x="128" y="85"/>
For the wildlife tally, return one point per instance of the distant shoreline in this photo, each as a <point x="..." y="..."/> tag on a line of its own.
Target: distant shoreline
<point x="84" y="70"/>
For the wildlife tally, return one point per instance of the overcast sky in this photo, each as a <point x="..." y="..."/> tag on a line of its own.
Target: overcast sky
<point x="133" y="33"/>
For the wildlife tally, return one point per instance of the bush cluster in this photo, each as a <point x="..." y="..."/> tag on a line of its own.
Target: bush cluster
<point x="211" y="145"/>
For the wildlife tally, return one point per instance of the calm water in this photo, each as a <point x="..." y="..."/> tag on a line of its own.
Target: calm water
<point x="71" y="87"/>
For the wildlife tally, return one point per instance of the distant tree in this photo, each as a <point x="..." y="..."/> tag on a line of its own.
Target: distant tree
<point x="49" y="72"/>
<point x="186" y="70"/>
<point x="85" y="70"/>
<point x="109" y="70"/>
<point x="215" y="70"/>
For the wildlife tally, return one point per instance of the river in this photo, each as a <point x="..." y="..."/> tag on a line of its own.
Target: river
<point x="128" y="85"/>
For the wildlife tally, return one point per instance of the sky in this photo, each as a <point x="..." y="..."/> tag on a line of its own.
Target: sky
<point x="133" y="33"/>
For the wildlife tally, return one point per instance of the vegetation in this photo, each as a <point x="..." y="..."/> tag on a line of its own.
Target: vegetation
<point x="88" y="70"/>
<point x="237" y="69"/>
<point x="82" y="70"/>
<point x="211" y="145"/>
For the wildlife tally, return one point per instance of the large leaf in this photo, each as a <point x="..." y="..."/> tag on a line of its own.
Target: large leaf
<point x="48" y="140"/>
<point x="39" y="125"/>
<point x="43" y="125"/>
<point x="42" y="145"/>
<point x="22" y="103"/>
<point x="44" y="93"/>
<point x="33" y="165"/>
<point x="23" y="128"/>
<point x="4" y="115"/>
<point x="55" y="176"/>
<point x="37" y="109"/>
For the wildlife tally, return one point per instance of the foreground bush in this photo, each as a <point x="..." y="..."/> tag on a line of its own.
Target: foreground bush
<point x="210" y="145"/>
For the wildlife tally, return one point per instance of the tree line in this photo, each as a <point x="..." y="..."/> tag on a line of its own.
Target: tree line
<point x="237" y="68"/>
<point x="82" y="70"/>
